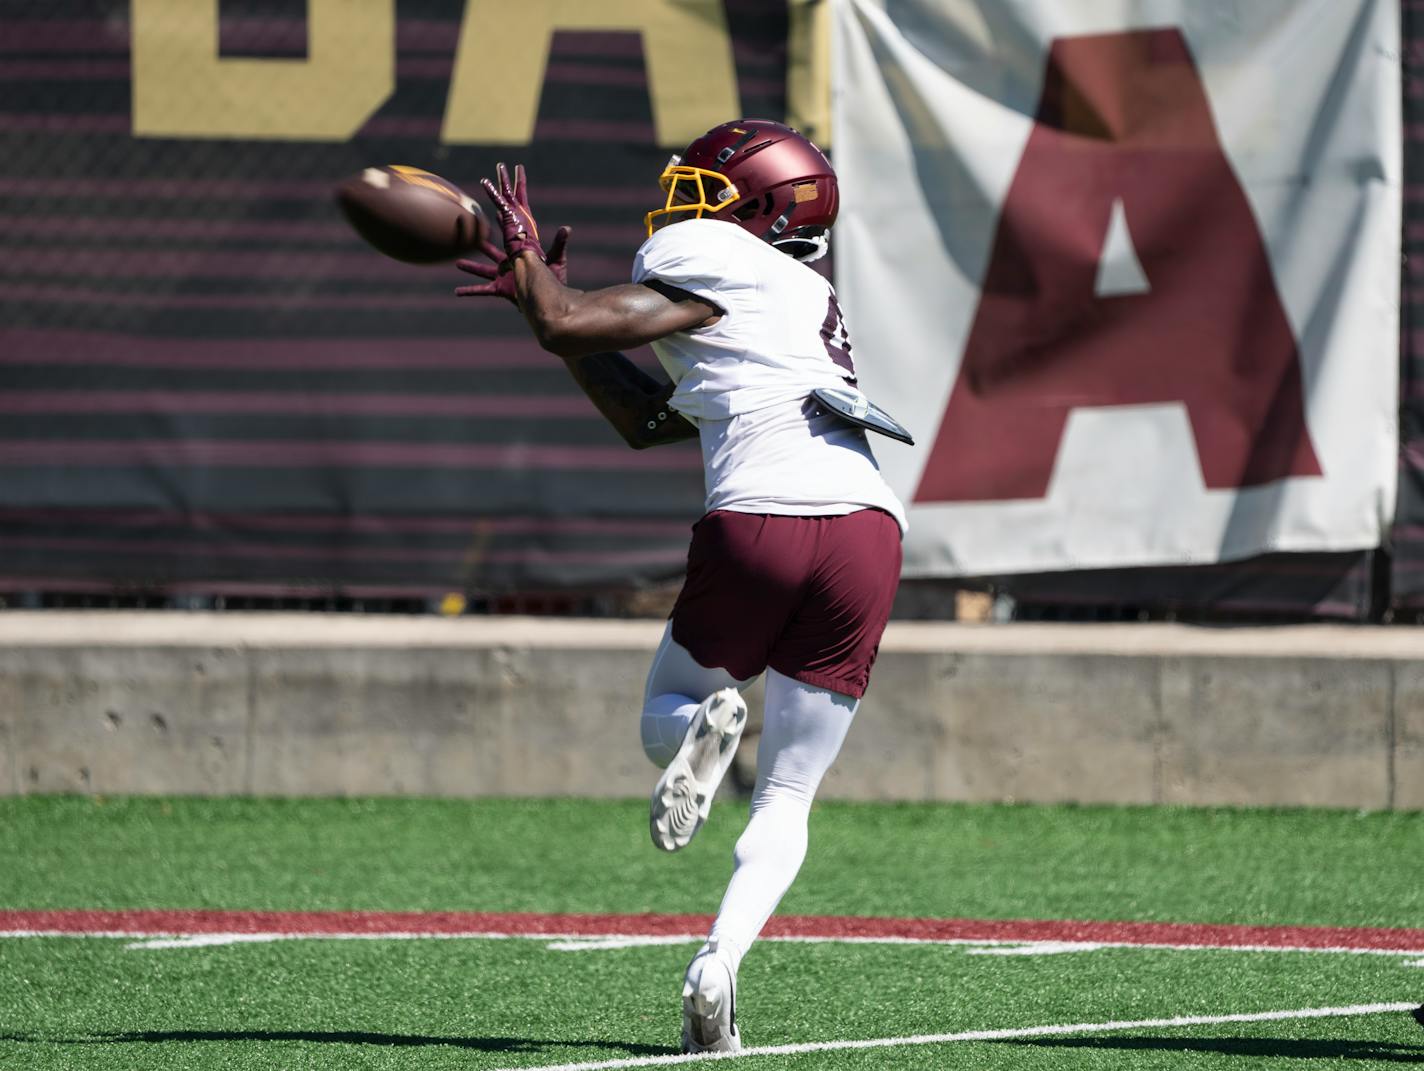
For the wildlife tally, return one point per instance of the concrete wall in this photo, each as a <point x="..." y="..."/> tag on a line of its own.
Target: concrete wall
<point x="111" y="702"/>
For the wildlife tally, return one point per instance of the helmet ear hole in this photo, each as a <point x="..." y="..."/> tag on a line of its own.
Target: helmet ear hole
<point x="748" y="210"/>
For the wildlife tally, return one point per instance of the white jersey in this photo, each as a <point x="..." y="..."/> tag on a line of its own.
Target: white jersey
<point x="745" y="382"/>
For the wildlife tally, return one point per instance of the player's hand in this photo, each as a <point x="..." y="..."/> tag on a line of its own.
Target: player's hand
<point x="500" y="270"/>
<point x="500" y="274"/>
<point x="511" y="204"/>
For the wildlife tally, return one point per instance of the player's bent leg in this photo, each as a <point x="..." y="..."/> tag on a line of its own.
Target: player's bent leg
<point x="693" y="717"/>
<point x="677" y="685"/>
<point x="683" y="795"/>
<point x="802" y="735"/>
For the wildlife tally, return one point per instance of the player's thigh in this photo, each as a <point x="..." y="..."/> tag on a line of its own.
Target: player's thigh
<point x="675" y="672"/>
<point x="745" y="576"/>
<point x="834" y="636"/>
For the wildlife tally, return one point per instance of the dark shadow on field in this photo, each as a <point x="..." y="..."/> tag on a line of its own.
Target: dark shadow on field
<point x="1287" y="1048"/>
<point x="350" y="1037"/>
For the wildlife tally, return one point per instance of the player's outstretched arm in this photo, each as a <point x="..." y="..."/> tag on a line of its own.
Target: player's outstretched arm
<point x="585" y="327"/>
<point x="631" y="400"/>
<point x="568" y="322"/>
<point x="571" y="322"/>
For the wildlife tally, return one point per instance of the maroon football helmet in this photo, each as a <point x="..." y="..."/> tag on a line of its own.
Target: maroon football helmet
<point x="761" y="175"/>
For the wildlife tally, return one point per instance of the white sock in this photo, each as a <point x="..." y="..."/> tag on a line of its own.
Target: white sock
<point x="664" y="724"/>
<point x="802" y="734"/>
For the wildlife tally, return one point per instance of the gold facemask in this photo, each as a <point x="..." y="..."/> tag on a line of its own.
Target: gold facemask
<point x="687" y="190"/>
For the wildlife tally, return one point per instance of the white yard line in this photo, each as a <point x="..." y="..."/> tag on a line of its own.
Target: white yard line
<point x="608" y="944"/>
<point x="1056" y="948"/>
<point x="147" y="940"/>
<point x="977" y="1035"/>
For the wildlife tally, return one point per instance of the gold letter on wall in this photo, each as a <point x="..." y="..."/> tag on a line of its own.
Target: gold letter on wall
<point x="183" y="89"/>
<point x="808" y="69"/>
<point x="504" y="46"/>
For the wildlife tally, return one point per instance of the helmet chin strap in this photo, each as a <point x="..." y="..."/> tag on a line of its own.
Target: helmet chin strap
<point x="805" y="250"/>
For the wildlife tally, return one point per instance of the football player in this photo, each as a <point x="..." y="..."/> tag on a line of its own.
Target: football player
<point x="793" y="567"/>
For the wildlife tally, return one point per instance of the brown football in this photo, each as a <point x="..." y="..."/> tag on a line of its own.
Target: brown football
<point x="411" y="214"/>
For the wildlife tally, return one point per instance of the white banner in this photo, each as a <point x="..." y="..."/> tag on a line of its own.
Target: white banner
<point x="1128" y="269"/>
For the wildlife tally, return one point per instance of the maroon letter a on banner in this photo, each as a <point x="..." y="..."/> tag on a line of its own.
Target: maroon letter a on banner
<point x="1124" y="117"/>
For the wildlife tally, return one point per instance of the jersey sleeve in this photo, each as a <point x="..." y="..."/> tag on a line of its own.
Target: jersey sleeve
<point x="692" y="256"/>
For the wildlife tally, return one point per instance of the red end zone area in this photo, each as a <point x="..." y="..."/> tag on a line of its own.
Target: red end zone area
<point x="336" y="924"/>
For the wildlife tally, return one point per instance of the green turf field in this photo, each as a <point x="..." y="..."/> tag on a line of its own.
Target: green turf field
<point x="95" y="1002"/>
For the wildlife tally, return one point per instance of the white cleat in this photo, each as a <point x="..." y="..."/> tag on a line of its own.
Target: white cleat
<point x="684" y="793"/>
<point x="709" y="1004"/>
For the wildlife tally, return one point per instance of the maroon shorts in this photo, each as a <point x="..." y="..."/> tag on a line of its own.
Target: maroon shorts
<point x="807" y="596"/>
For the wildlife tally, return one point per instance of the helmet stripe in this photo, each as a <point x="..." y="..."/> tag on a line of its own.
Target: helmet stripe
<point x="731" y="150"/>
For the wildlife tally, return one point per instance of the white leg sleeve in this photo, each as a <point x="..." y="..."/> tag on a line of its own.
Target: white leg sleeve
<point x="676" y="685"/>
<point x="801" y="736"/>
